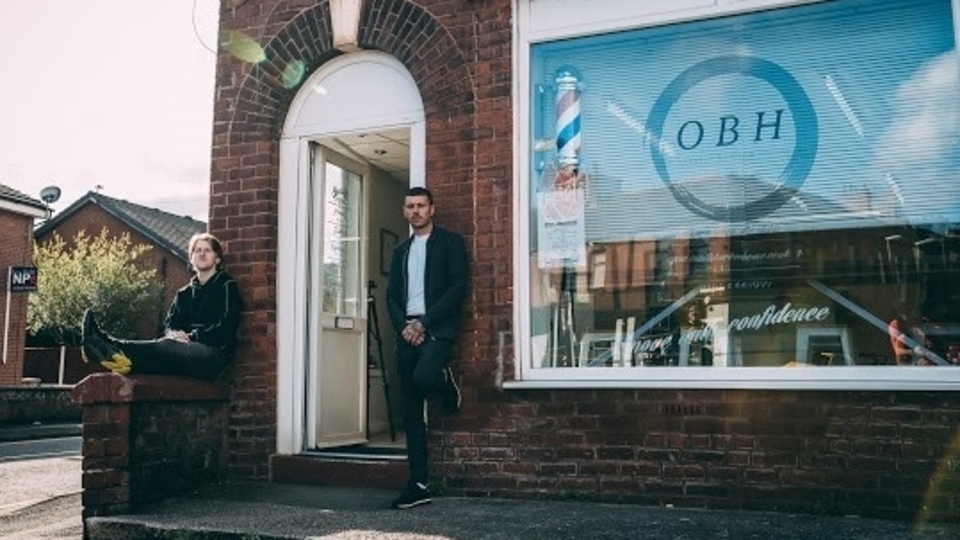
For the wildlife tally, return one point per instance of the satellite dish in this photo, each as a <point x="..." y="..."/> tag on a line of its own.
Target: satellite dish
<point x="50" y="194"/>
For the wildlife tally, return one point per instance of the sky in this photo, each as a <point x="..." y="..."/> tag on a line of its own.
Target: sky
<point x="109" y="95"/>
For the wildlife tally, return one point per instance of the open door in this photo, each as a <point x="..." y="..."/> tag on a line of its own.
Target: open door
<point x="354" y="140"/>
<point x="338" y="298"/>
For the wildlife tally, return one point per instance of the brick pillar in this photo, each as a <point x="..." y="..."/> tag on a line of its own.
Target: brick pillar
<point x="105" y="399"/>
<point x="147" y="437"/>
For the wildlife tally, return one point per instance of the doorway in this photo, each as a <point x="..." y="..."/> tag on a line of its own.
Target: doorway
<point x="355" y="222"/>
<point x="352" y="145"/>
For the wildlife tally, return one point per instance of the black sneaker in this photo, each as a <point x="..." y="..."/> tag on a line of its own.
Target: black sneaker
<point x="93" y="349"/>
<point x="415" y="495"/>
<point x="95" y="345"/>
<point x="450" y="392"/>
<point x="90" y="326"/>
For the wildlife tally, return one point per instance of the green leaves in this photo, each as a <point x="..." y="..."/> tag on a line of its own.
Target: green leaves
<point x="108" y="274"/>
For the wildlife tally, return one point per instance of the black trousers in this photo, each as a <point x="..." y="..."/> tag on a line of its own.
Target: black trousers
<point x="167" y="356"/>
<point x="420" y="376"/>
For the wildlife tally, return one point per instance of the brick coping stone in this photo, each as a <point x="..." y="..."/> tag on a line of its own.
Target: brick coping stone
<point x="114" y="388"/>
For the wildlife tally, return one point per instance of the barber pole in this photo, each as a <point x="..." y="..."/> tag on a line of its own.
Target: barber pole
<point x="568" y="119"/>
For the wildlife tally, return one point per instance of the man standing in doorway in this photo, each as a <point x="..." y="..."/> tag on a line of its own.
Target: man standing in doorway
<point x="428" y="282"/>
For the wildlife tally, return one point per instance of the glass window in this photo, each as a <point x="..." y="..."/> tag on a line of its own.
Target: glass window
<point x="342" y="291"/>
<point x="767" y="190"/>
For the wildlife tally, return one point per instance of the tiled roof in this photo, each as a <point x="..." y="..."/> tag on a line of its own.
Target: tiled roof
<point x="167" y="230"/>
<point x="10" y="194"/>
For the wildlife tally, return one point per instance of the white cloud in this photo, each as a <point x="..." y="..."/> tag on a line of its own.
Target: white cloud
<point x="924" y="117"/>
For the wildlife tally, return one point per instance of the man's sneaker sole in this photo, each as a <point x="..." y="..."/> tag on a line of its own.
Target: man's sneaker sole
<point x="415" y="495"/>
<point x="411" y="504"/>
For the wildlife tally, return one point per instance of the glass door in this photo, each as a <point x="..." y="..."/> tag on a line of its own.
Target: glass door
<point x="339" y="297"/>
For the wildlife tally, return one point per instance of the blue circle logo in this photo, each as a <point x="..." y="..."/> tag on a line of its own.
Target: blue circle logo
<point x="804" y="118"/>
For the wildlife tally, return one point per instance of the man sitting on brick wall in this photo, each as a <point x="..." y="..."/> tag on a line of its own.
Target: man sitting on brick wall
<point x="201" y="325"/>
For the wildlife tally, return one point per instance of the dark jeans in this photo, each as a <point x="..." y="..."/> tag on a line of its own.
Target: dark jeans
<point x="167" y="356"/>
<point x="420" y="375"/>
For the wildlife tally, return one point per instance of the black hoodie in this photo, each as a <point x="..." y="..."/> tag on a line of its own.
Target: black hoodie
<point x="209" y="313"/>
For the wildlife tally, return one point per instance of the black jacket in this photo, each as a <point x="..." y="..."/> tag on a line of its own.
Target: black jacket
<point x="209" y="313"/>
<point x="445" y="283"/>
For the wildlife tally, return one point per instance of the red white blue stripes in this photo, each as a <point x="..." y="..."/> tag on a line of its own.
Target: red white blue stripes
<point x="568" y="119"/>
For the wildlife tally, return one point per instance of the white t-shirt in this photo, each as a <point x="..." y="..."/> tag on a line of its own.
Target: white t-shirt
<point x="416" y="274"/>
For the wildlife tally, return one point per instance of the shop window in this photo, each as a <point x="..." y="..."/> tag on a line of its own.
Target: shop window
<point x="713" y="196"/>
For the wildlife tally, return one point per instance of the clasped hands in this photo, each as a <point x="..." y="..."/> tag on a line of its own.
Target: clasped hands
<point x="178" y="335"/>
<point x="414" y="333"/>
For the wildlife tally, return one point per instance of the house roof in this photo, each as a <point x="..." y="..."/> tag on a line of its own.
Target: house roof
<point x="17" y="200"/>
<point x="166" y="230"/>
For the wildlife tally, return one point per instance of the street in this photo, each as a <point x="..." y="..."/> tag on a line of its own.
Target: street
<point x="40" y="448"/>
<point x="40" y="495"/>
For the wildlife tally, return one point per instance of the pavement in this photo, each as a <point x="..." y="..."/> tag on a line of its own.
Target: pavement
<point x="41" y="500"/>
<point x="275" y="511"/>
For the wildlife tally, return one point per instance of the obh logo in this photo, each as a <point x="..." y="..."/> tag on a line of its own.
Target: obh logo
<point x="691" y="134"/>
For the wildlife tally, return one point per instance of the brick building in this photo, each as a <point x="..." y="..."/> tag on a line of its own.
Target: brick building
<point x="690" y="236"/>
<point x="17" y="215"/>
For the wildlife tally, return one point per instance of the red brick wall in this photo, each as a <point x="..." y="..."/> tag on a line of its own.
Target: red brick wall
<point x="878" y="453"/>
<point x="15" y="250"/>
<point x="146" y="438"/>
<point x="172" y="270"/>
<point x="26" y="404"/>
<point x="882" y="454"/>
<point x="459" y="55"/>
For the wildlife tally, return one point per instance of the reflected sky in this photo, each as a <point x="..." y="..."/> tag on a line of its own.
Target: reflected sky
<point x="882" y="78"/>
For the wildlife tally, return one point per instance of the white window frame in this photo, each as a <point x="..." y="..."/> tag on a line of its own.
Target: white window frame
<point x="537" y="21"/>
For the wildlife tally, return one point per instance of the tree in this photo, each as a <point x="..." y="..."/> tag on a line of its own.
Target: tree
<point x="103" y="273"/>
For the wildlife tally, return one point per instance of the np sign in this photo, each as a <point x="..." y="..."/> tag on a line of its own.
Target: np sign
<point x="22" y="279"/>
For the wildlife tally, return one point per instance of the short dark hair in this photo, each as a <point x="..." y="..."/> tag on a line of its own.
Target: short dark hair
<point x="420" y="192"/>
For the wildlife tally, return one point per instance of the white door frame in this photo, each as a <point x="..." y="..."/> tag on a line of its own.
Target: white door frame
<point x="353" y="93"/>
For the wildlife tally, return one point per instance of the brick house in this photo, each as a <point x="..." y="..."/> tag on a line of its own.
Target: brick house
<point x="651" y="318"/>
<point x="166" y="233"/>
<point x="17" y="215"/>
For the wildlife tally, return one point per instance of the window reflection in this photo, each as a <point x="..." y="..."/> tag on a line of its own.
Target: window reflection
<point x="881" y="296"/>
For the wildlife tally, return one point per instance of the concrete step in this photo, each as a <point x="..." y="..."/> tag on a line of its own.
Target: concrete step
<point x="381" y="471"/>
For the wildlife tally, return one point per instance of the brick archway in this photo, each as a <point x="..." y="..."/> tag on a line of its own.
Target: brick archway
<point x="400" y="28"/>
